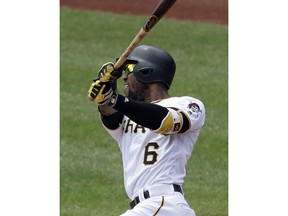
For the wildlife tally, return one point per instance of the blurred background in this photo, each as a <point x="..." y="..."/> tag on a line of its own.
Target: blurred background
<point x="195" y="33"/>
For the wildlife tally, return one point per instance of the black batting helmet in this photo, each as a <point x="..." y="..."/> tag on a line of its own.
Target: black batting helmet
<point x="153" y="64"/>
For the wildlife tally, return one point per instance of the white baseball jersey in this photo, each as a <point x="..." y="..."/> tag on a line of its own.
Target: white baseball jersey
<point x="150" y="158"/>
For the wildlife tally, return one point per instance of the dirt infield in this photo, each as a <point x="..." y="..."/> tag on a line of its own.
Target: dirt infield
<point x="211" y="11"/>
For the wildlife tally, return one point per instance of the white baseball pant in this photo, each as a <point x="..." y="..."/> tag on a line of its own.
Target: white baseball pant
<point x="169" y="203"/>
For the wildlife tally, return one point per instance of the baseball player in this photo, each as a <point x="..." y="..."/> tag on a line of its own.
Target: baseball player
<point x="156" y="133"/>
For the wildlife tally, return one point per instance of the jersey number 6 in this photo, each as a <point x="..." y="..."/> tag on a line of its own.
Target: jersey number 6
<point x="150" y="155"/>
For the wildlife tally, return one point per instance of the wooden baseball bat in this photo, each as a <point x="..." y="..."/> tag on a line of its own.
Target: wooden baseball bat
<point x="162" y="7"/>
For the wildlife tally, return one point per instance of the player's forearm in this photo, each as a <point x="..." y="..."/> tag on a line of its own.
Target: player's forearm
<point x="106" y="110"/>
<point x="145" y="114"/>
<point x="110" y="117"/>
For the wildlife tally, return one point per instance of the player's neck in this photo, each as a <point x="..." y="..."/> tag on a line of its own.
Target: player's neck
<point x="157" y="92"/>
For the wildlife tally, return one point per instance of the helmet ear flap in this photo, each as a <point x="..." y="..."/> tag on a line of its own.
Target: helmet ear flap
<point x="145" y="71"/>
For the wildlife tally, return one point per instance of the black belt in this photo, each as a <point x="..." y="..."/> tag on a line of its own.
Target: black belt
<point x="133" y="203"/>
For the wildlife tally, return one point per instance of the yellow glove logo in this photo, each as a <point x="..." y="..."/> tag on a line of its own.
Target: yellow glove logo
<point x="103" y="96"/>
<point x="98" y="93"/>
<point x="105" y="72"/>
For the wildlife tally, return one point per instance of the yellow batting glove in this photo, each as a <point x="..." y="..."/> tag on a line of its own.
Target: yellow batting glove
<point x="101" y="93"/>
<point x="107" y="73"/>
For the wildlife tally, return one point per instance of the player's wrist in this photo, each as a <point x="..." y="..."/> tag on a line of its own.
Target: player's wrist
<point x="112" y="101"/>
<point x="119" y="102"/>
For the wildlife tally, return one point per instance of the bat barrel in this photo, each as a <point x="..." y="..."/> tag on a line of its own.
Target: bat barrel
<point x="162" y="7"/>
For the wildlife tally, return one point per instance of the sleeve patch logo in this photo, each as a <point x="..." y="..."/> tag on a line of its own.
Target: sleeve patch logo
<point x="194" y="109"/>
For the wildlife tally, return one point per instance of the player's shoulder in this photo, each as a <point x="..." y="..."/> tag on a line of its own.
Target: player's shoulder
<point x="187" y="104"/>
<point x="180" y="101"/>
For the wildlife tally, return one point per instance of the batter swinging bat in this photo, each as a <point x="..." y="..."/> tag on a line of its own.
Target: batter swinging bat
<point x="162" y="7"/>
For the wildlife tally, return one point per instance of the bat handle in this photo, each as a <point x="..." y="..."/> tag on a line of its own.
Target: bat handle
<point x="138" y="38"/>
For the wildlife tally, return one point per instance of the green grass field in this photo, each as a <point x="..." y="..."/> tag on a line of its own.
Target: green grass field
<point x="91" y="181"/>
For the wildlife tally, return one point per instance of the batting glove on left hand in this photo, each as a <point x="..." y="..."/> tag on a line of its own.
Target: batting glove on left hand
<point x="102" y="93"/>
<point x="107" y="73"/>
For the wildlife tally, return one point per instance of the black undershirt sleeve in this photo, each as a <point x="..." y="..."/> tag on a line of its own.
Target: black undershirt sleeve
<point x="113" y="121"/>
<point x="145" y="114"/>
